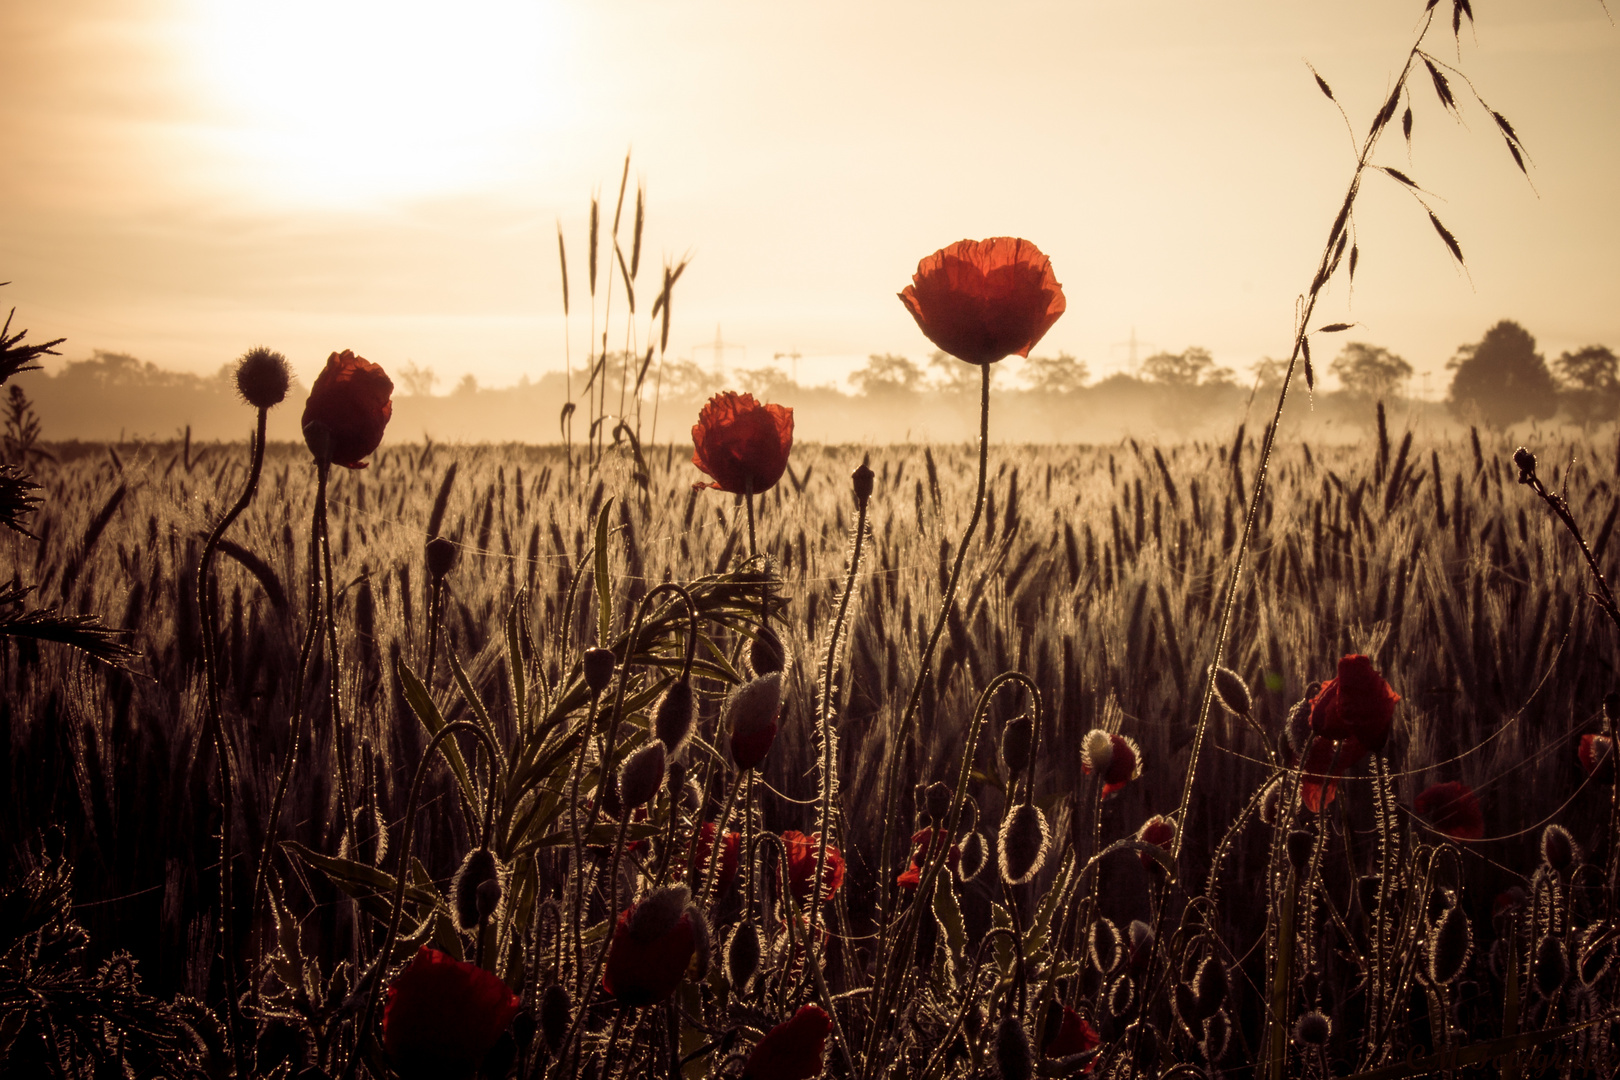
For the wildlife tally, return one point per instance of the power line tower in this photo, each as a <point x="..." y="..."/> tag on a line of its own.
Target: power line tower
<point x="719" y="348"/>
<point x="793" y="359"/>
<point x="1134" y="345"/>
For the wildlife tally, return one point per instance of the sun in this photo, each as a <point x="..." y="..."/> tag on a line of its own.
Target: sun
<point x="354" y="100"/>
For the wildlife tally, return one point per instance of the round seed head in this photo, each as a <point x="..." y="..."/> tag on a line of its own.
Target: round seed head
<point x="1017" y="742"/>
<point x="672" y="721"/>
<point x="1559" y="850"/>
<point x="1013" y="1055"/>
<point x="599" y="665"/>
<point x="1024" y="841"/>
<point x="974" y="855"/>
<point x="442" y="556"/>
<point x="262" y="377"/>
<point x="478" y="867"/>
<point x="1450" y="942"/>
<point x="1313" y="1029"/>
<point x="1551" y="968"/>
<point x="1233" y="692"/>
<point x="642" y="775"/>
<point x="556" y="1010"/>
<point x="742" y="956"/>
<point x="766" y="653"/>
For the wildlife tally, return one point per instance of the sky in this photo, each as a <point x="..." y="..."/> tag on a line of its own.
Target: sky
<point x="184" y="179"/>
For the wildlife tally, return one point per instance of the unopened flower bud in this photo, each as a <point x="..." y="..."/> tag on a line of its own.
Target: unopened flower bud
<point x="742" y="956"/>
<point x="1297" y="728"/>
<point x="1448" y="946"/>
<point x="1232" y="691"/>
<point x="442" y="555"/>
<point x="862" y="478"/>
<point x="766" y="653"/>
<point x="642" y="775"/>
<point x="1313" y="1029"/>
<point x="1017" y="742"/>
<point x="489" y="899"/>
<point x="477" y="868"/>
<point x="1210" y="985"/>
<point x="1217" y="1036"/>
<point x="1104" y="945"/>
<point x="1013" y="1056"/>
<point x="555" y="1014"/>
<point x="937" y="802"/>
<point x="1558" y="849"/>
<point x="975" y="854"/>
<point x="1299" y="844"/>
<point x="1526" y="461"/>
<point x="599" y="665"/>
<point x="1551" y="967"/>
<point x="1024" y="840"/>
<point x="262" y="377"/>
<point x="751" y="717"/>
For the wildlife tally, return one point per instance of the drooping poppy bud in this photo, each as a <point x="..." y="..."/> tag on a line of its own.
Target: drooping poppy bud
<point x="262" y="377"/>
<point x="478" y="867"/>
<point x="1358" y="704"/>
<point x="1559" y="850"/>
<point x="350" y="404"/>
<point x="1452" y="809"/>
<point x="801" y="853"/>
<point x="937" y="802"/>
<point x="1217" y="1036"/>
<point x="1024" y="841"/>
<point x="1232" y="691"/>
<point x="751" y="716"/>
<point x="975" y="854"/>
<point x="599" y="665"/>
<point x="672" y="720"/>
<point x="1210" y="986"/>
<point x="1017" y="742"/>
<point x="642" y="775"/>
<point x="652" y="945"/>
<point x="443" y="1016"/>
<point x="984" y="300"/>
<point x="742" y="956"/>
<point x="741" y="443"/>
<point x="792" y="1050"/>
<point x="1104" y="945"/>
<point x="1299" y="845"/>
<point x="1448" y="946"/>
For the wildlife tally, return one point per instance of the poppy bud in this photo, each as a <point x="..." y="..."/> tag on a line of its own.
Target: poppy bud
<point x="1299" y="844"/>
<point x="1526" y="462"/>
<point x="974" y="855"/>
<point x="750" y="715"/>
<point x="672" y="720"/>
<point x="1159" y="831"/>
<point x="1104" y="945"/>
<point x="1017" y="741"/>
<point x="1233" y="691"/>
<point x="1313" y="1029"/>
<point x="1185" y="1004"/>
<point x="862" y="479"/>
<point x="1013" y="1056"/>
<point x="1596" y="755"/>
<point x="478" y="867"/>
<point x="653" y="943"/>
<point x="555" y="1013"/>
<point x="1550" y="968"/>
<point x="442" y="556"/>
<point x="1217" y="1036"/>
<point x="1210" y="985"/>
<point x="742" y="956"/>
<point x="599" y="665"/>
<point x="489" y="899"/>
<point x="1096" y="751"/>
<point x="1121" y="995"/>
<point x="642" y="775"/>
<point x="766" y="652"/>
<point x="1449" y="945"/>
<point x="1297" y="728"/>
<point x="1558" y="849"/>
<point x="1024" y="840"/>
<point x="937" y="802"/>
<point x="793" y="1050"/>
<point x="262" y="377"/>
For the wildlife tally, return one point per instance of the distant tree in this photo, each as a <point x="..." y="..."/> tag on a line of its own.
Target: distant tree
<point x="766" y="383"/>
<point x="1060" y="374"/>
<point x="467" y="387"/>
<point x="1193" y="367"/>
<point x="1268" y="373"/>
<point x="417" y="381"/>
<point x="1501" y="379"/>
<point x="953" y="375"/>
<point x="1592" y="383"/>
<point x="886" y="373"/>
<point x="1370" y="371"/>
<point x="688" y="379"/>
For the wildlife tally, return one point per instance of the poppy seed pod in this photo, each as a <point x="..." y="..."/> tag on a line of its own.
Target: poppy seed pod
<point x="642" y="775"/>
<point x="742" y="956"/>
<point x="599" y="665"/>
<point x="1313" y="1029"/>
<point x="442" y="556"/>
<point x="478" y="867"/>
<point x="1551" y="968"/>
<point x="1232" y="691"/>
<point x="262" y="377"/>
<point x="974" y="855"/>
<point x="1024" y="840"/>
<point x="766" y="652"/>
<point x="556" y="1010"/>
<point x="1558" y="849"/>
<point x="937" y="802"/>
<point x="1449" y="944"/>
<point x="751" y="716"/>
<point x="862" y="479"/>
<point x="1013" y="1056"/>
<point x="1017" y="743"/>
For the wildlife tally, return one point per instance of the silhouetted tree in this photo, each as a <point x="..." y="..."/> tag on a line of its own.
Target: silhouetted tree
<point x="887" y="373"/>
<point x="416" y="381"/>
<point x="1592" y="388"/>
<point x="1371" y="371"/>
<point x="1060" y="374"/>
<point x="1194" y="367"/>
<point x="951" y="375"/>
<point x="765" y="383"/>
<point x="1501" y="379"/>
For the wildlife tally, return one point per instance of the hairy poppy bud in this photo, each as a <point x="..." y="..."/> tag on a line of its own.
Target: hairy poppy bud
<point x="1595" y="954"/>
<point x="1297" y="728"/>
<point x="975" y="853"/>
<point x="642" y="775"/>
<point x="1596" y="755"/>
<point x="1449" y="944"/>
<point x="1526" y="462"/>
<point x="1217" y="1036"/>
<point x="555" y="1013"/>
<point x="1299" y="844"/>
<point x="1233" y="691"/>
<point x="1313" y="1029"/>
<point x="1159" y="831"/>
<point x="652" y="946"/>
<point x="862" y="479"/>
<point x="1551" y="967"/>
<point x="937" y="802"/>
<point x="1024" y="840"/>
<point x="1104" y="945"/>
<point x="750" y="715"/>
<point x="1210" y="985"/>
<point x="1185" y="1005"/>
<point x="793" y="1050"/>
<point x="442" y="556"/>
<point x="599" y="665"/>
<point x="1017" y="742"/>
<point x="766" y="652"/>
<point x="489" y="899"/>
<point x="1558" y="849"/>
<point x="262" y="377"/>
<point x="742" y="956"/>
<point x="1013" y="1056"/>
<point x="477" y="868"/>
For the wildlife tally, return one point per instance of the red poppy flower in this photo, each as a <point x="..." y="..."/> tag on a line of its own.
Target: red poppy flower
<point x="1070" y="1035"/>
<point x="923" y="847"/>
<point x="1326" y="761"/>
<point x="444" y="1016"/>
<point x="1158" y="831"/>
<point x="652" y="945"/>
<point x="1596" y="753"/>
<point x="1357" y="705"/>
<point x="984" y="300"/>
<point x="801" y="853"/>
<point x="1119" y="764"/>
<point x="351" y="398"/>
<point x="729" y="855"/>
<point x="1452" y="808"/>
<point x="742" y="444"/>
<point x="792" y="1050"/>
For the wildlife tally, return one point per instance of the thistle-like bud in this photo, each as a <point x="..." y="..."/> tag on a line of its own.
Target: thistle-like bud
<point x="937" y="802"/>
<point x="262" y="377"/>
<point x="1559" y="850"/>
<point x="1024" y="840"/>
<point x="1017" y="742"/>
<point x="442" y="555"/>
<point x="1313" y="1029"/>
<point x="1299" y="845"/>
<point x="556" y="1011"/>
<point x="1232" y="691"/>
<point x="1551" y="967"/>
<point x="766" y="653"/>
<point x="672" y="720"/>
<point x="751" y="716"/>
<point x="975" y="853"/>
<point x="1104" y="945"/>
<point x="642" y="775"/>
<point x="1449" y="944"/>
<point x="478" y="867"/>
<point x="1014" y="1058"/>
<point x="862" y="479"/>
<point x="1210" y="985"/>
<point x="599" y="665"/>
<point x="1526" y="462"/>
<point x="742" y="956"/>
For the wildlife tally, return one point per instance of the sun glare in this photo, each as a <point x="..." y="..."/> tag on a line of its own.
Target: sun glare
<point x="339" y="100"/>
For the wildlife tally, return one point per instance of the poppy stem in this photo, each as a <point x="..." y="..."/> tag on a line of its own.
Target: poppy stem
<point x="578" y="875"/>
<point x="748" y="501"/>
<point x="333" y="658"/>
